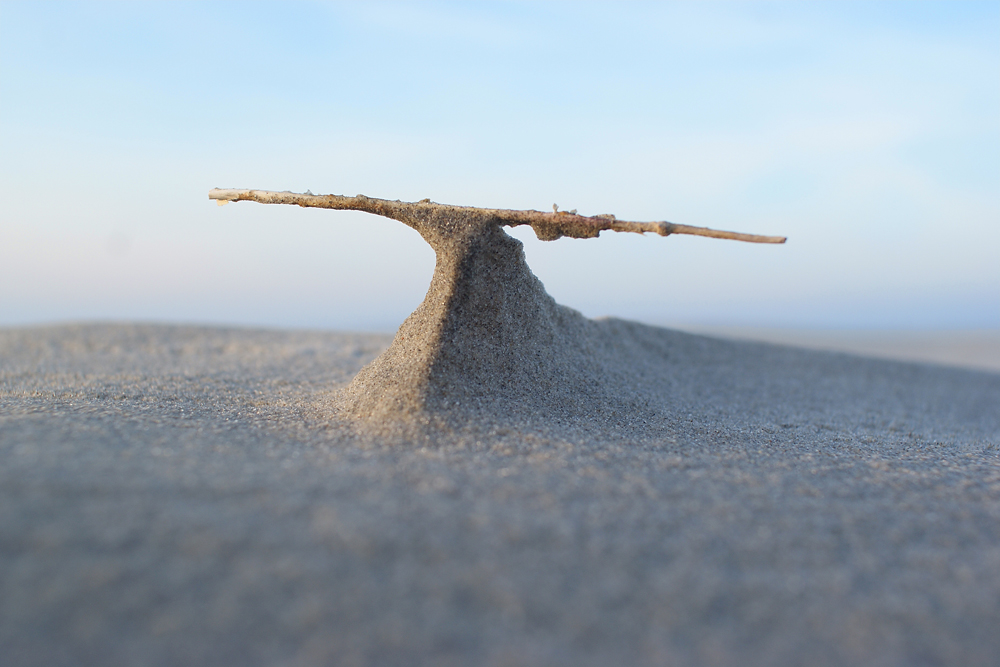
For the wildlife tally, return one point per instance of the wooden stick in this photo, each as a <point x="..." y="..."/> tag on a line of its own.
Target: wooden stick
<point x="547" y="226"/>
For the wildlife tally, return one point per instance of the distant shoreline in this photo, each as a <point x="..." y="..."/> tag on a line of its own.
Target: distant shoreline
<point x="977" y="349"/>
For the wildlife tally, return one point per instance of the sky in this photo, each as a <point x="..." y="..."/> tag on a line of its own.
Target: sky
<point x="867" y="133"/>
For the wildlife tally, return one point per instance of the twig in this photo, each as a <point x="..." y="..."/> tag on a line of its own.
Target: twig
<point x="547" y="226"/>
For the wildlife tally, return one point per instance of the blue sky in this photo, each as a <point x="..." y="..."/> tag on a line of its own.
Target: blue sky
<point x="867" y="133"/>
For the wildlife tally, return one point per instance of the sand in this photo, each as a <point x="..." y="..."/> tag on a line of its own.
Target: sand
<point x="504" y="482"/>
<point x="978" y="349"/>
<point x="488" y="346"/>
<point x="179" y="495"/>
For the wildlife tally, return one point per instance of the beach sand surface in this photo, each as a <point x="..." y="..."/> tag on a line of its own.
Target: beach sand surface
<point x="175" y="495"/>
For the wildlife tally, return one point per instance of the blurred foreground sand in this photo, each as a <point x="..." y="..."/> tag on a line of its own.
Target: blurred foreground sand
<point x="184" y="495"/>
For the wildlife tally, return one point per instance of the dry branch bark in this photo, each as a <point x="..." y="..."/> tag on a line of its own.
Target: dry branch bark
<point x="547" y="226"/>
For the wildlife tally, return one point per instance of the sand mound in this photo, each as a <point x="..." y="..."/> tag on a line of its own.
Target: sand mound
<point x="488" y="341"/>
<point x="488" y="344"/>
